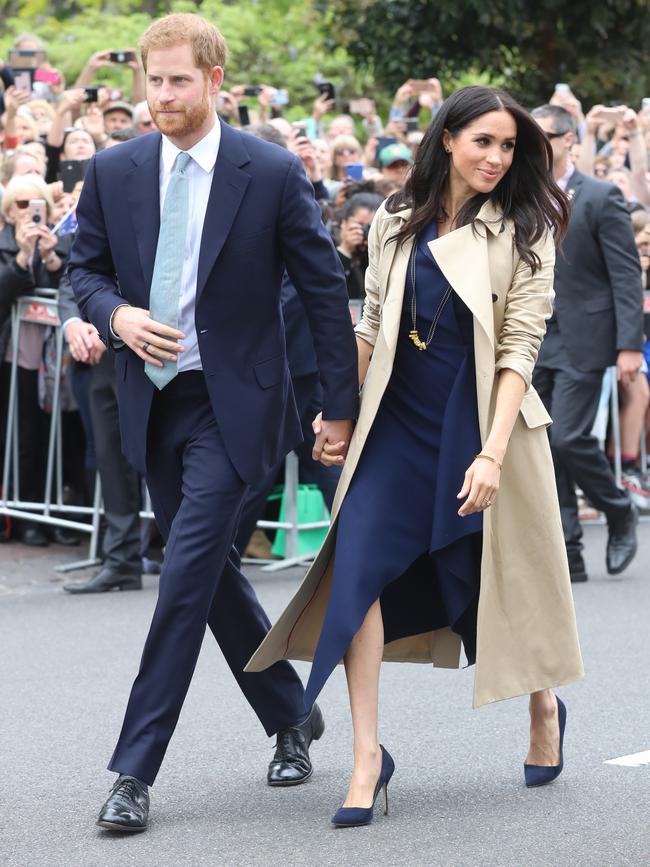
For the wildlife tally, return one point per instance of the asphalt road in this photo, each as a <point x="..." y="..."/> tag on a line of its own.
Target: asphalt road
<point x="457" y="798"/>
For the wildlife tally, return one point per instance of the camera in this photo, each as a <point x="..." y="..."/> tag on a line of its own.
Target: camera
<point x="252" y="90"/>
<point x="38" y="211"/>
<point x="326" y="88"/>
<point x="121" y="56"/>
<point x="90" y="94"/>
<point x="366" y="231"/>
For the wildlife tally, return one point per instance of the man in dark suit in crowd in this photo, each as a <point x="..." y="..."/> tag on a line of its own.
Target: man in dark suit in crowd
<point x="122" y="564"/>
<point x="183" y="240"/>
<point x="597" y="323"/>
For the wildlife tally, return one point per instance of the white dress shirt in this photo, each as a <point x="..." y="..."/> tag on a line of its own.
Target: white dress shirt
<point x="199" y="172"/>
<point x="563" y="182"/>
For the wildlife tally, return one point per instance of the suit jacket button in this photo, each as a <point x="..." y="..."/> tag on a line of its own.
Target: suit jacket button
<point x="494" y="297"/>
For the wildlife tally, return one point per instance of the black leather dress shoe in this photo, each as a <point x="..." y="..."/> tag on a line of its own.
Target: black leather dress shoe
<point x="127" y="806"/>
<point x="291" y="764"/>
<point x="63" y="536"/>
<point x="577" y="568"/>
<point x="106" y="580"/>
<point x="622" y="542"/>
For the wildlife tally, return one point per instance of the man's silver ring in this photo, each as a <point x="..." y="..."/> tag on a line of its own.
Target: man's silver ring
<point x="145" y="346"/>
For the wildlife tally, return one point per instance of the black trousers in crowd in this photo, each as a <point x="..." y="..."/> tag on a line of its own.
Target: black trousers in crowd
<point x="571" y="397"/>
<point x="33" y="430"/>
<point x="120" y="482"/>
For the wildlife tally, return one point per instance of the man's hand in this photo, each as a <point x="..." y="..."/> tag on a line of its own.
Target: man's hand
<point x="84" y="342"/>
<point x="628" y="364"/>
<point x="332" y="440"/>
<point x="150" y="340"/>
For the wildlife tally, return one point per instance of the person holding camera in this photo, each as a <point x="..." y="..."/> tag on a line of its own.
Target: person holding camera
<point x="108" y="58"/>
<point x="64" y="142"/>
<point x="356" y="216"/>
<point x="31" y="256"/>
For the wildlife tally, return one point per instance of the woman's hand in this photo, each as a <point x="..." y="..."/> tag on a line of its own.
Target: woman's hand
<point x="26" y="237"/>
<point x="47" y="241"/>
<point x="479" y="487"/>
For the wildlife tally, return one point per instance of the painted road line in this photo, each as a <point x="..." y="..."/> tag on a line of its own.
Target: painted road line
<point x="634" y="760"/>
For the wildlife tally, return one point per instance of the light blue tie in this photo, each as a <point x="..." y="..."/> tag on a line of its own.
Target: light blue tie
<point x="168" y="267"/>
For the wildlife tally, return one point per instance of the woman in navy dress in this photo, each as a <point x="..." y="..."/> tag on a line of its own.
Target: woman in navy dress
<point x="409" y="532"/>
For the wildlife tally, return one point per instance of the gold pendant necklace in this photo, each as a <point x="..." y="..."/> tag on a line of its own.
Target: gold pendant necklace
<point x="414" y="335"/>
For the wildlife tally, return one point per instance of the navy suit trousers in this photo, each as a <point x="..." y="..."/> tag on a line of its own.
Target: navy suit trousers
<point x="197" y="497"/>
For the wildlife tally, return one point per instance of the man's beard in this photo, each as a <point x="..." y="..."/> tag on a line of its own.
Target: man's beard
<point x="187" y="121"/>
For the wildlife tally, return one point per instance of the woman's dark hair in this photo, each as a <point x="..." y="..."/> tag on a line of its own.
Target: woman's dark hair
<point x="527" y="194"/>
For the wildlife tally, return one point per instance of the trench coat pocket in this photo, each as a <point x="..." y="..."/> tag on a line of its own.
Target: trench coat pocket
<point x="534" y="411"/>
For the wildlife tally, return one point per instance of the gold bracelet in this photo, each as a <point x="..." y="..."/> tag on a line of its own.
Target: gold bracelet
<point x="488" y="458"/>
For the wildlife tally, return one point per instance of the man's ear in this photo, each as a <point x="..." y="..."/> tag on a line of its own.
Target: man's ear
<point x="216" y="78"/>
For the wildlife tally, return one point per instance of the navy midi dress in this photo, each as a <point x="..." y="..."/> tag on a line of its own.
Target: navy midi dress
<point x="399" y="537"/>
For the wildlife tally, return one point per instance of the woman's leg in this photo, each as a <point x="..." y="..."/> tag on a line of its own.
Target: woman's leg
<point x="362" y="665"/>
<point x="544" y="729"/>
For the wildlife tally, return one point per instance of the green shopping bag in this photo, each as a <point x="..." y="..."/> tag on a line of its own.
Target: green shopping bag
<point x="311" y="508"/>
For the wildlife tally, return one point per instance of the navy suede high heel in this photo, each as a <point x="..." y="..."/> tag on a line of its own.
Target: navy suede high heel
<point x="540" y="775"/>
<point x="352" y="817"/>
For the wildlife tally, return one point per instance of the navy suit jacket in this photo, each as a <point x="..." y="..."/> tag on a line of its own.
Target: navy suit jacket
<point x="261" y="218"/>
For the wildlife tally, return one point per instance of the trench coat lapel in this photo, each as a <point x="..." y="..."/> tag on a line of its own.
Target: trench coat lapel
<point x="393" y="277"/>
<point x="462" y="256"/>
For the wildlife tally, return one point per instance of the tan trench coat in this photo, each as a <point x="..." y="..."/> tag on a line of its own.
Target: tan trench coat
<point x="526" y="636"/>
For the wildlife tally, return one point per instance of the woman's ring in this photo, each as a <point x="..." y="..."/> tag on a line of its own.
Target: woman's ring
<point x="145" y="346"/>
<point x="487" y="502"/>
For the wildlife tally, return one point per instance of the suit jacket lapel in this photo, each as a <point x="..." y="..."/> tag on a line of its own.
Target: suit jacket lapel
<point x="143" y="195"/>
<point x="574" y="186"/>
<point x="229" y="184"/>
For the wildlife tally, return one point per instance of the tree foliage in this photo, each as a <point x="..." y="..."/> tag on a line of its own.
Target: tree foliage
<point x="598" y="46"/>
<point x="276" y="42"/>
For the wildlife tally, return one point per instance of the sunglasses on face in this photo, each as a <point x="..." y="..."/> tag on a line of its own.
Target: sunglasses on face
<point x="22" y="204"/>
<point x="551" y="135"/>
<point x="146" y="123"/>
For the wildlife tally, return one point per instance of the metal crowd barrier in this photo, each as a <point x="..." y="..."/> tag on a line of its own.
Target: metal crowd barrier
<point x="42" y="308"/>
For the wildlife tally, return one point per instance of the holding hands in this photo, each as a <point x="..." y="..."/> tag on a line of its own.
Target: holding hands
<point x="332" y="440"/>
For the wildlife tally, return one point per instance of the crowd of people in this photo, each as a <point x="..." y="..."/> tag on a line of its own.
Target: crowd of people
<point x="354" y="158"/>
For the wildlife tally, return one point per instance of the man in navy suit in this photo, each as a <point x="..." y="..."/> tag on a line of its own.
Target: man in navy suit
<point x="221" y="412"/>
